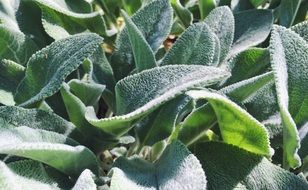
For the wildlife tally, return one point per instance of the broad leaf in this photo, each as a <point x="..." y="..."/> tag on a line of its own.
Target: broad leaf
<point x="242" y="169"/>
<point x="15" y="45"/>
<point x="205" y="7"/>
<point x="155" y="30"/>
<point x="47" y="147"/>
<point x="301" y="29"/>
<point x="221" y="22"/>
<point x="237" y="127"/>
<point x="85" y="181"/>
<point x="251" y="28"/>
<point x="11" y="74"/>
<point x="288" y="10"/>
<point x="143" y="54"/>
<point x="289" y="55"/>
<point x="177" y="168"/>
<point x="48" y="68"/>
<point x="141" y="93"/>
<point x="196" y="46"/>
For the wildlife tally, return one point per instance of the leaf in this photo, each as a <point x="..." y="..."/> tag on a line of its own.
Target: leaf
<point x="155" y="30"/>
<point x="288" y="53"/>
<point x="196" y="46"/>
<point x="61" y="19"/>
<point x="48" y="68"/>
<point x="15" y="45"/>
<point x="242" y="169"/>
<point x="85" y="181"/>
<point x="237" y="127"/>
<point x="257" y="3"/>
<point x="11" y="116"/>
<point x="288" y="10"/>
<point x="11" y="74"/>
<point x="7" y="13"/>
<point x="247" y="64"/>
<point x="251" y="28"/>
<point x="185" y="16"/>
<point x="205" y="7"/>
<point x="47" y="147"/>
<point x="142" y="93"/>
<point x="221" y="22"/>
<point x="177" y="168"/>
<point x="26" y="175"/>
<point x="301" y="29"/>
<point x="143" y="54"/>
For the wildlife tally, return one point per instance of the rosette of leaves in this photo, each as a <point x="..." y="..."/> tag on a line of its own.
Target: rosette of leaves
<point x="222" y="107"/>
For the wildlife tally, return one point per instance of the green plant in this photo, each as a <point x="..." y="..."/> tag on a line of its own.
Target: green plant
<point x="87" y="103"/>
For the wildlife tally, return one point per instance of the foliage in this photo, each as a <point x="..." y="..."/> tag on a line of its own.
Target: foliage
<point x="153" y="94"/>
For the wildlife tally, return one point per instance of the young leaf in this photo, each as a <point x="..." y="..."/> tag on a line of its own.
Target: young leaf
<point x="143" y="54"/>
<point x="237" y="127"/>
<point x="141" y="93"/>
<point x="177" y="168"/>
<point x="155" y="30"/>
<point x="196" y="46"/>
<point x="221" y="22"/>
<point x="289" y="53"/>
<point x="48" y="68"/>
<point x="251" y="28"/>
<point x="41" y="145"/>
<point x="242" y="169"/>
<point x="288" y="10"/>
<point x="11" y="74"/>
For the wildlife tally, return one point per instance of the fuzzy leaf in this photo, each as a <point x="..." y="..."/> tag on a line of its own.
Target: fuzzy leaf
<point x="48" y="68"/>
<point x="143" y="54"/>
<point x="221" y="22"/>
<point x="288" y="10"/>
<point x="185" y="16"/>
<point x="237" y="127"/>
<point x="11" y="74"/>
<point x="177" y="168"/>
<point x="85" y="181"/>
<point x="142" y="93"/>
<point x="155" y="30"/>
<point x="242" y="169"/>
<point x="301" y="29"/>
<point x="289" y="59"/>
<point x="196" y="46"/>
<point x="251" y="28"/>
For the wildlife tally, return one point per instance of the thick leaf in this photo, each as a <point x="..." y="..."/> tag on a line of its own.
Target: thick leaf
<point x="141" y="93"/>
<point x="247" y="64"/>
<point x="26" y="175"/>
<point x="301" y="29"/>
<point x="85" y="181"/>
<point x="11" y="117"/>
<point x="11" y="74"/>
<point x="242" y="169"/>
<point x="289" y="59"/>
<point x="185" y="16"/>
<point x="143" y="54"/>
<point x="221" y="22"/>
<point x="47" y="147"/>
<point x="63" y="18"/>
<point x="251" y="28"/>
<point x="155" y="29"/>
<point x="237" y="127"/>
<point x="288" y="10"/>
<point x="196" y="46"/>
<point x="48" y="68"/>
<point x="177" y="168"/>
<point x="205" y="7"/>
<point x="15" y="46"/>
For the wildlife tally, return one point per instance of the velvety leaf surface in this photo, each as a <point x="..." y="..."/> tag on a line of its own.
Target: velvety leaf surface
<point x="48" y="68"/>
<point x="48" y="147"/>
<point x="251" y="28"/>
<point x="196" y="46"/>
<point x="242" y="169"/>
<point x="289" y="58"/>
<point x="143" y="54"/>
<point x="221" y="22"/>
<point x="177" y="168"/>
<point x="63" y="18"/>
<point x="301" y="29"/>
<point x="11" y="74"/>
<point x="237" y="127"/>
<point x="288" y="10"/>
<point x="15" y="45"/>
<point x="85" y="181"/>
<point x="155" y="87"/>
<point x="155" y="30"/>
